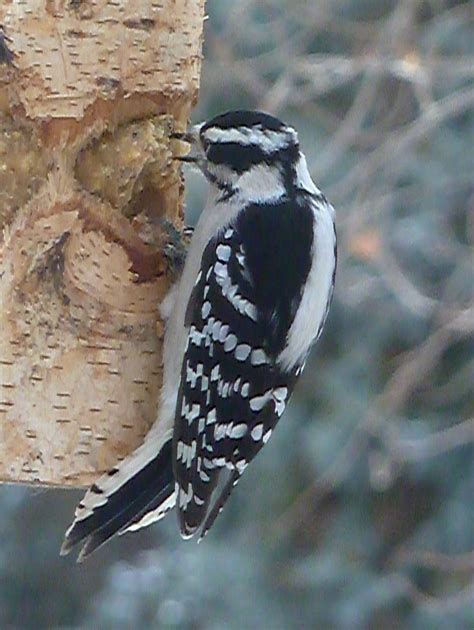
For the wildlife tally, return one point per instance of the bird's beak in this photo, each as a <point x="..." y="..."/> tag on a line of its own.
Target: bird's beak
<point x="184" y="137"/>
<point x="191" y="138"/>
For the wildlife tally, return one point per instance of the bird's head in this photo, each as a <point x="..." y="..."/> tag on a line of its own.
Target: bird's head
<point x="250" y="153"/>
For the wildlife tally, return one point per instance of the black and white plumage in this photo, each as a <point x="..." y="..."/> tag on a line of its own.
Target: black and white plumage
<point x="252" y="299"/>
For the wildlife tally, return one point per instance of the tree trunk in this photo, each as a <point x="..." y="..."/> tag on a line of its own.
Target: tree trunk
<point x="89" y="91"/>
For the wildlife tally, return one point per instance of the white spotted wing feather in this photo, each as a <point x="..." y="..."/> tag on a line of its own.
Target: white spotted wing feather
<point x="232" y="392"/>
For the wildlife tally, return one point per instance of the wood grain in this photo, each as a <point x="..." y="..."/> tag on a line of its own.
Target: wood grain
<point x="89" y="92"/>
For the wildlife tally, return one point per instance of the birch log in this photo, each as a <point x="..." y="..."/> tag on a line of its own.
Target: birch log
<point x="89" y="90"/>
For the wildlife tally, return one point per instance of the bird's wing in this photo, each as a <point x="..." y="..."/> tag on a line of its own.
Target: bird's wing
<point x="232" y="392"/>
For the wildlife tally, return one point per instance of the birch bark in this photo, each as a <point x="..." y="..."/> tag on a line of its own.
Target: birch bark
<point x="89" y="90"/>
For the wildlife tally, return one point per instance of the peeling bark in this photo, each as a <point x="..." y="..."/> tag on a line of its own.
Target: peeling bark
<point x="89" y="91"/>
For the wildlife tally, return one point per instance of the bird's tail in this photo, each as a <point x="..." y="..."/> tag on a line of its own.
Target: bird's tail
<point x="137" y="492"/>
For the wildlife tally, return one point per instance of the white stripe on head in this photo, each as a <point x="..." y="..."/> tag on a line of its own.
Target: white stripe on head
<point x="261" y="183"/>
<point x="267" y="139"/>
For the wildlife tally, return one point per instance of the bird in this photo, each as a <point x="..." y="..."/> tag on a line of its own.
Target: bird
<point x="251" y="301"/>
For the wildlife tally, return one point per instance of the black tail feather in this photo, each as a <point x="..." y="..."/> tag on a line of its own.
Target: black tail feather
<point x="140" y="494"/>
<point x="122" y="520"/>
<point x="219" y="503"/>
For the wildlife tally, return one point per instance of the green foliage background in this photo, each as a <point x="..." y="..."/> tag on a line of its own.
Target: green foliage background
<point x="359" y="512"/>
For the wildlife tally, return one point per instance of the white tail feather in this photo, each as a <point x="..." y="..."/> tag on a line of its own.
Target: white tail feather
<point x="153" y="516"/>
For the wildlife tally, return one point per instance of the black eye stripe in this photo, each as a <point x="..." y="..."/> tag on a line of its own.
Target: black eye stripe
<point x="236" y="156"/>
<point x="241" y="158"/>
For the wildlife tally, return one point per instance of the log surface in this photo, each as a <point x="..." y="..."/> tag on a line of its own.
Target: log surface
<point x="89" y="91"/>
